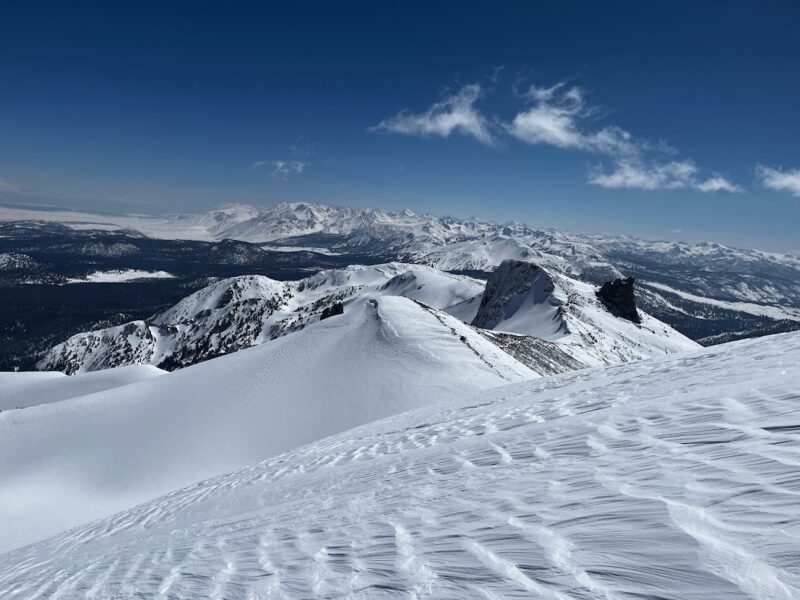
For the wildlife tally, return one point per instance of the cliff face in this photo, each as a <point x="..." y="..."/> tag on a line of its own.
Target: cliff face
<point x="520" y="297"/>
<point x="618" y="297"/>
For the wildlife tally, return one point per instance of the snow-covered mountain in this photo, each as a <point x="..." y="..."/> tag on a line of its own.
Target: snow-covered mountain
<point x="708" y="291"/>
<point x="244" y="311"/>
<point x="523" y="298"/>
<point x="672" y="479"/>
<point x="67" y="462"/>
<point x="240" y="312"/>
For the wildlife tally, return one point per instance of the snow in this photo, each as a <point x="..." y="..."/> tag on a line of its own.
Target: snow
<point x="26" y="389"/>
<point x="121" y="276"/>
<point x="239" y="312"/>
<point x="64" y="463"/>
<point x="316" y="250"/>
<point x="673" y="479"/>
<point x="525" y="299"/>
<point x="761" y="310"/>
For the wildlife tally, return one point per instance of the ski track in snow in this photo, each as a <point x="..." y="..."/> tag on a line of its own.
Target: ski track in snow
<point x="671" y="479"/>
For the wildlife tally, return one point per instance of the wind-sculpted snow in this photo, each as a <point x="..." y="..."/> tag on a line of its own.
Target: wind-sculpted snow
<point x="68" y="462"/>
<point x="677" y="479"/>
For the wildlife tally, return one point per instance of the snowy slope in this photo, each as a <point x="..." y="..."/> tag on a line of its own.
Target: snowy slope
<point x="26" y="389"/>
<point x="525" y="299"/>
<point x="674" y="479"/>
<point x="240" y="312"/>
<point x="67" y="462"/>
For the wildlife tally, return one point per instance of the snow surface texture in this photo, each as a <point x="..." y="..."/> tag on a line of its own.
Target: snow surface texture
<point x="671" y="479"/>
<point x="240" y="312"/>
<point x="26" y="389"/>
<point x="65" y="463"/>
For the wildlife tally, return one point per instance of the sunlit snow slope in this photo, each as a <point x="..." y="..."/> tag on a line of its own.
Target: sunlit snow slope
<point x="25" y="389"/>
<point x="672" y="479"/>
<point x="68" y="462"/>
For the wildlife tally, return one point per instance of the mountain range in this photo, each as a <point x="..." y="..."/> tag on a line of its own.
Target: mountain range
<point x="560" y="323"/>
<point x="708" y="291"/>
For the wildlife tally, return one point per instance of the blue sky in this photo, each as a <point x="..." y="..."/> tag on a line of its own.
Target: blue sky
<point x="673" y="120"/>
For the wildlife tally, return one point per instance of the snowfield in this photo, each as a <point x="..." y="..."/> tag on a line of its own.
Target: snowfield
<point x="68" y="462"/>
<point x="121" y="276"/>
<point x="26" y="389"/>
<point x="677" y="478"/>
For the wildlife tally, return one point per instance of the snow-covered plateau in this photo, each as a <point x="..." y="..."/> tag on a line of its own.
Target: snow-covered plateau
<point x="674" y="478"/>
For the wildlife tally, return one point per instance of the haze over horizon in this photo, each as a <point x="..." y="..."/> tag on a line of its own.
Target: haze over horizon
<point x="667" y="121"/>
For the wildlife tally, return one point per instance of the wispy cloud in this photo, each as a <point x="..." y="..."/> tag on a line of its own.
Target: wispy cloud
<point x="640" y="174"/>
<point x="300" y="151"/>
<point x="555" y="117"/>
<point x="559" y="116"/>
<point x="454" y="114"/>
<point x="633" y="173"/>
<point x="284" y="168"/>
<point x="779" y="180"/>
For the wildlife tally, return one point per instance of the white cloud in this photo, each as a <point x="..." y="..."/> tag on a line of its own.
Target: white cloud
<point x="717" y="183"/>
<point x="677" y="174"/>
<point x="779" y="180"/>
<point x="456" y="113"/>
<point x="559" y="116"/>
<point x="284" y="168"/>
<point x="258" y="164"/>
<point x="556" y="118"/>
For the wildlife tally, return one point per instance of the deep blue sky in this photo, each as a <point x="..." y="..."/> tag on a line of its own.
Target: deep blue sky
<point x="165" y="107"/>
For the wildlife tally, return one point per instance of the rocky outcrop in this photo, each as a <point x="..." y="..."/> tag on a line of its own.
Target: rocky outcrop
<point x="331" y="311"/>
<point x="618" y="298"/>
<point x="520" y="297"/>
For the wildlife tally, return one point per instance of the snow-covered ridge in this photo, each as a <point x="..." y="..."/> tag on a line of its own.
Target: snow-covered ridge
<point x="672" y="479"/>
<point x="64" y="463"/>
<point x="525" y="299"/>
<point x="240" y="312"/>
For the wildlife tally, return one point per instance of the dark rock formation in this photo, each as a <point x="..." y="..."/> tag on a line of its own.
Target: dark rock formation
<point x="517" y="285"/>
<point x="332" y="310"/>
<point x="618" y="298"/>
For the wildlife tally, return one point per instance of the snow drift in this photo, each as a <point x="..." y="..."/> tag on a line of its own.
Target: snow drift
<point x="68" y="462"/>
<point x="672" y="479"/>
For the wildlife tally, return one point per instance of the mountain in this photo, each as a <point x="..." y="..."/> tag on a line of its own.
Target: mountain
<point x="673" y="479"/>
<point x="707" y="291"/>
<point x="240" y="312"/>
<point x="71" y="461"/>
<point x="523" y="298"/>
<point x="244" y="311"/>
